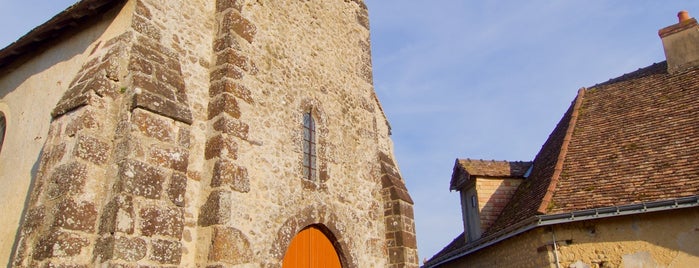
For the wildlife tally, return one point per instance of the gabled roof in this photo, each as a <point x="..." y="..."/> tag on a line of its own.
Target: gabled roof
<point x="73" y="18"/>
<point x="465" y="168"/>
<point x="631" y="140"/>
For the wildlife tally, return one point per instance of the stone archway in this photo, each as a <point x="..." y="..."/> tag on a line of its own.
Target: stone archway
<point x="319" y="217"/>
<point x="311" y="248"/>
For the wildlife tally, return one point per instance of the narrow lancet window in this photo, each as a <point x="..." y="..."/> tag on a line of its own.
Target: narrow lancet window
<point x="309" y="147"/>
<point x="2" y="129"/>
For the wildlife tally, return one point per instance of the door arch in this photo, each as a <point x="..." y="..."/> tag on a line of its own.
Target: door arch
<point x="311" y="248"/>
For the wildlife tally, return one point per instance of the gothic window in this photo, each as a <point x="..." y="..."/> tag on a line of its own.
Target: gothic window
<point x="2" y="129"/>
<point x="309" y="147"/>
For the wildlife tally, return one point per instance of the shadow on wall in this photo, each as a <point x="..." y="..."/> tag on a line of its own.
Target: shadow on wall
<point x="10" y="65"/>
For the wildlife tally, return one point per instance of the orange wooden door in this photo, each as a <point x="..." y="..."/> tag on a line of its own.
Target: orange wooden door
<point x="311" y="249"/>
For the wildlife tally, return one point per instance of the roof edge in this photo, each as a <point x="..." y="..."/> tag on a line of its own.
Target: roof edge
<point x="573" y="216"/>
<point x="59" y="24"/>
<point x="558" y="169"/>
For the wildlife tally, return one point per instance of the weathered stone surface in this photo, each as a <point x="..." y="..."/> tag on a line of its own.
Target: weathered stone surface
<point x="165" y="251"/>
<point x="165" y="221"/>
<point x="141" y="179"/>
<point x="88" y="119"/>
<point x="177" y="189"/>
<point x="153" y="125"/>
<point x="144" y="26"/>
<point x="224" y="103"/>
<point x="227" y="173"/>
<point x="223" y="5"/>
<point x="79" y="216"/>
<point x="233" y="20"/>
<point x="172" y="158"/>
<point x="230" y="86"/>
<point x="67" y="179"/>
<point x="52" y="156"/>
<point x="59" y="244"/>
<point x="91" y="149"/>
<point x="232" y="126"/>
<point x="163" y="106"/>
<point x="118" y="216"/>
<point x="220" y="146"/>
<point x="120" y="248"/>
<point x="226" y="71"/>
<point x="217" y="209"/>
<point x="229" y="245"/>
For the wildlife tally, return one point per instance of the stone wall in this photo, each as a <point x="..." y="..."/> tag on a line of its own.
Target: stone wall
<point x="178" y="143"/>
<point x="632" y="241"/>
<point x="624" y="241"/>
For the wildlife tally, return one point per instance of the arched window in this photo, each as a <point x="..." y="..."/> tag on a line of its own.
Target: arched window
<point x="2" y="129"/>
<point x="309" y="147"/>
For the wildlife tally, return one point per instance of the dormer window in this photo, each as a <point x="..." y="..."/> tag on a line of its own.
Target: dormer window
<point x="310" y="169"/>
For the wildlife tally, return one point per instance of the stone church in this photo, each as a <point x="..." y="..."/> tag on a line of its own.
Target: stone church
<point x="228" y="133"/>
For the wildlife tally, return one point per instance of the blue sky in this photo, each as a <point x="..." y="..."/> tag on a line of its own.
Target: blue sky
<point x="474" y="79"/>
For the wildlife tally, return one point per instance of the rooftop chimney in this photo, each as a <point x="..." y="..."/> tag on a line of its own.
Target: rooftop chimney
<point x="681" y="43"/>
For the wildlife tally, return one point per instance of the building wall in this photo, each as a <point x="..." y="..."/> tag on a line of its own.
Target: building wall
<point x="525" y="250"/>
<point x="179" y="142"/>
<point x="665" y="239"/>
<point x="493" y="195"/>
<point x="28" y="93"/>
<point x="660" y="239"/>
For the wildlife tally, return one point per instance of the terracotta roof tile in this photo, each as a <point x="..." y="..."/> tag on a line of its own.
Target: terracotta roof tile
<point x="635" y="140"/>
<point x="487" y="168"/>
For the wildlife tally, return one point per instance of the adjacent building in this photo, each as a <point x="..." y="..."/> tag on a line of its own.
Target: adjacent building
<point x="615" y="185"/>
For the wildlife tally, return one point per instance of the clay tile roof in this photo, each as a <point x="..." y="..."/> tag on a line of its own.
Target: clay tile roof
<point x="487" y="168"/>
<point x="633" y="139"/>
<point x="70" y="20"/>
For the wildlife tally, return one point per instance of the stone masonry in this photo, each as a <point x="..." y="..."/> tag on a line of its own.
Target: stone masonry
<point x="179" y="143"/>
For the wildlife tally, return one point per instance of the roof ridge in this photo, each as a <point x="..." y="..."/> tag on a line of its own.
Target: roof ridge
<point x="558" y="169"/>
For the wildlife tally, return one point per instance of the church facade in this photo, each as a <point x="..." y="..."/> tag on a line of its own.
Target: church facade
<point x="198" y="134"/>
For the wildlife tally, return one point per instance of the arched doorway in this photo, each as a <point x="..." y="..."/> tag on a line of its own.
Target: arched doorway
<point x="311" y="248"/>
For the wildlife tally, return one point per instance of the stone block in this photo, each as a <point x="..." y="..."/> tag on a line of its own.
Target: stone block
<point x="221" y="146"/>
<point x="155" y="86"/>
<point x="140" y="179"/>
<point x="173" y="158"/>
<point x="145" y="27"/>
<point x="226" y="40"/>
<point x="230" y="86"/>
<point x="52" y="156"/>
<point x="233" y="20"/>
<point x="163" y="106"/>
<point x="226" y="71"/>
<point x="229" y="245"/>
<point x="165" y="221"/>
<point x="231" y="126"/>
<point x="74" y="215"/>
<point x="59" y="243"/>
<point x="120" y="248"/>
<point x="224" y="103"/>
<point x="184" y="137"/>
<point x="67" y="179"/>
<point x="227" y="173"/>
<point x="154" y="126"/>
<point x="216" y="209"/>
<point x="233" y="57"/>
<point x="91" y="149"/>
<point x="118" y="216"/>
<point x="177" y="189"/>
<point x="223" y="5"/>
<point x="86" y="119"/>
<point x="166" y="251"/>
